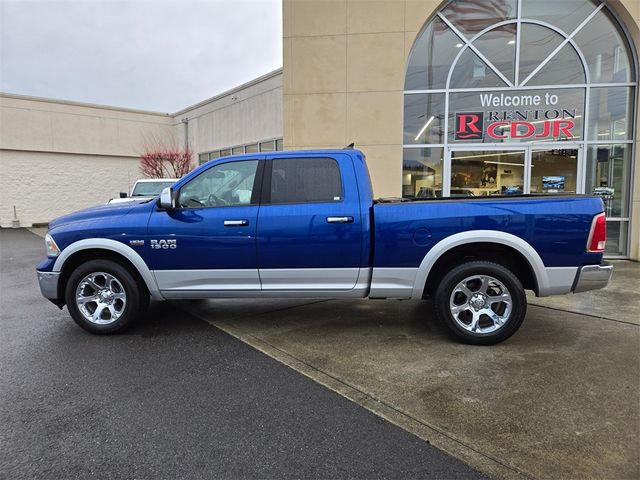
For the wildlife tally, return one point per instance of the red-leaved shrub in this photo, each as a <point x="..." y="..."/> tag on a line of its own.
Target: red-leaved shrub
<point x="165" y="162"/>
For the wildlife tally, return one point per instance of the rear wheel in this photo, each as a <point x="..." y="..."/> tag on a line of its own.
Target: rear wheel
<point x="103" y="297"/>
<point x="481" y="303"/>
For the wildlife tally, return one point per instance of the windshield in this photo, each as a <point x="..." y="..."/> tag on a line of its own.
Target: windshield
<point x="150" y="189"/>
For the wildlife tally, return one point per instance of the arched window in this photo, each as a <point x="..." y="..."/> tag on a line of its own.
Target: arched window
<point x="522" y="96"/>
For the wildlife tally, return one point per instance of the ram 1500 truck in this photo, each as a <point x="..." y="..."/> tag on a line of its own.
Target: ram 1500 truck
<point x="305" y="224"/>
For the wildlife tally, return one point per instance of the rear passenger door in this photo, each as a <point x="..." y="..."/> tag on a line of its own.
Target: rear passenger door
<point x="309" y="225"/>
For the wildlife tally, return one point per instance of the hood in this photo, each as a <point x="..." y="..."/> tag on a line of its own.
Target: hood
<point x="100" y="211"/>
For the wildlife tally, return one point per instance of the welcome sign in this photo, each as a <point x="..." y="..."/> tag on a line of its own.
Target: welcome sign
<point x="527" y="117"/>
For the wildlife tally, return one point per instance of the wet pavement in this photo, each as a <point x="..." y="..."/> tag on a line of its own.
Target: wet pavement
<point x="560" y="399"/>
<point x="173" y="398"/>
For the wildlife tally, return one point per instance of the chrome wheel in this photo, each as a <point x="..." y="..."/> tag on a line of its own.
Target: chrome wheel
<point x="101" y="298"/>
<point x="481" y="304"/>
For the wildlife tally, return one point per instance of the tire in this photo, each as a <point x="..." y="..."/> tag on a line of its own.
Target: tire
<point x="481" y="303"/>
<point x="103" y="297"/>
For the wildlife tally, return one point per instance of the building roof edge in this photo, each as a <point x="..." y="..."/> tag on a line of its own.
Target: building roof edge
<point x="248" y="84"/>
<point x="61" y="101"/>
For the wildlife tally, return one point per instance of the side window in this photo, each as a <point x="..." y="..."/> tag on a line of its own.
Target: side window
<point x="305" y="180"/>
<point x="224" y="185"/>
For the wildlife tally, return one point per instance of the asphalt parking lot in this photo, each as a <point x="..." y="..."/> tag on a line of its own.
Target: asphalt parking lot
<point x="173" y="398"/>
<point x="176" y="397"/>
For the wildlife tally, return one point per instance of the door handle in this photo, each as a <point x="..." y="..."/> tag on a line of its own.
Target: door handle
<point x="236" y="223"/>
<point x="339" y="219"/>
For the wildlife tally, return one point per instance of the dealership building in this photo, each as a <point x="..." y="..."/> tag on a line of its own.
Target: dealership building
<point x="454" y="98"/>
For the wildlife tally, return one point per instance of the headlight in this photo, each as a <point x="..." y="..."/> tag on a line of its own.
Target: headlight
<point x="52" y="248"/>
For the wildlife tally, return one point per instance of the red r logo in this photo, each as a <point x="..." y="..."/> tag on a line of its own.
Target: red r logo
<point x="469" y="126"/>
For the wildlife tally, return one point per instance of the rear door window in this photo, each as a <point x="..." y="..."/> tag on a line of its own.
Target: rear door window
<point x="305" y="180"/>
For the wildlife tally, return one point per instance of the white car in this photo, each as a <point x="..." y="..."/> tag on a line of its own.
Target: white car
<point x="145" y="189"/>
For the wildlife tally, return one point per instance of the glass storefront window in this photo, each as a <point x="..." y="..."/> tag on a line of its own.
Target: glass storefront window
<point x="225" y="153"/>
<point x="542" y="40"/>
<point x="237" y="150"/>
<point x="422" y="172"/>
<point x="472" y="72"/>
<point x="608" y="175"/>
<point x="521" y="115"/>
<point x="606" y="51"/>
<point x="610" y="111"/>
<point x="506" y="83"/>
<point x="500" y="47"/>
<point x="564" y="68"/>
<point x="564" y="14"/>
<point x="214" y="155"/>
<point x="279" y="145"/>
<point x="554" y="171"/>
<point x="473" y="16"/>
<point x="202" y="158"/>
<point x="617" y="235"/>
<point x="431" y="57"/>
<point x="482" y="173"/>
<point x="423" y="118"/>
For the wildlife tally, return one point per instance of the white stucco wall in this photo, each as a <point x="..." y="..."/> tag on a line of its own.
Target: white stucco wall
<point x="45" y="185"/>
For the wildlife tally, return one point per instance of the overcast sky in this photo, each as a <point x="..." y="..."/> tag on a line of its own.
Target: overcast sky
<point x="158" y="55"/>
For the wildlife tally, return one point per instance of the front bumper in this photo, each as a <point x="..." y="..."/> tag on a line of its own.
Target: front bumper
<point x="593" y="277"/>
<point x="49" y="284"/>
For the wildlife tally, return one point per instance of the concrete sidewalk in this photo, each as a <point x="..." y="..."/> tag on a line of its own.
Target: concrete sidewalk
<point x="560" y="399"/>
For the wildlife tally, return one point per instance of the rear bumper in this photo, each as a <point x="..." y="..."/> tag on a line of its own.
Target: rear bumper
<point x="592" y="277"/>
<point x="48" y="282"/>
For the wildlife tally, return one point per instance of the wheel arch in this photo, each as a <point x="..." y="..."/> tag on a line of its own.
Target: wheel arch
<point x="101" y="248"/>
<point x="520" y="255"/>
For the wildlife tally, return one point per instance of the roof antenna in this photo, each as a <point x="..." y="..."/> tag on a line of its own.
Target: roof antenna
<point x="350" y="146"/>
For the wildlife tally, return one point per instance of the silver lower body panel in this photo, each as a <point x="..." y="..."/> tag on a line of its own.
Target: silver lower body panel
<point x="48" y="282"/>
<point x="272" y="283"/>
<point x="329" y="294"/>
<point x="593" y="277"/>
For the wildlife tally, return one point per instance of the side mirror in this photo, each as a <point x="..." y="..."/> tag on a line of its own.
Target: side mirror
<point x="166" y="199"/>
<point x="124" y="194"/>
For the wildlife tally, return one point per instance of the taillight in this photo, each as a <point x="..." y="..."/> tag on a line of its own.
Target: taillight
<point x="598" y="234"/>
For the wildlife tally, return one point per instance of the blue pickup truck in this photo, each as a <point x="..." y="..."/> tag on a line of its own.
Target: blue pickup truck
<point x="305" y="224"/>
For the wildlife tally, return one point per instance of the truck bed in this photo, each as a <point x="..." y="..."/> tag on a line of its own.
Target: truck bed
<point x="556" y="226"/>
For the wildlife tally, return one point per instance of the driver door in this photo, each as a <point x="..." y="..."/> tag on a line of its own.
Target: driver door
<point x="208" y="243"/>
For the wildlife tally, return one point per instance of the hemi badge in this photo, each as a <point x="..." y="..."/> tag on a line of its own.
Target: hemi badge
<point x="136" y="243"/>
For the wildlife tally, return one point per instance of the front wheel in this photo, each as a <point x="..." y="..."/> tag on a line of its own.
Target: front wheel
<point x="481" y="303"/>
<point x="103" y="297"/>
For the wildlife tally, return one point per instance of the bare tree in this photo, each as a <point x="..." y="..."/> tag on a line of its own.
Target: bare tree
<point x="162" y="161"/>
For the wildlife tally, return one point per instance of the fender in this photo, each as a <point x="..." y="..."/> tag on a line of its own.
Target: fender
<point x="551" y="281"/>
<point x="114" y="246"/>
